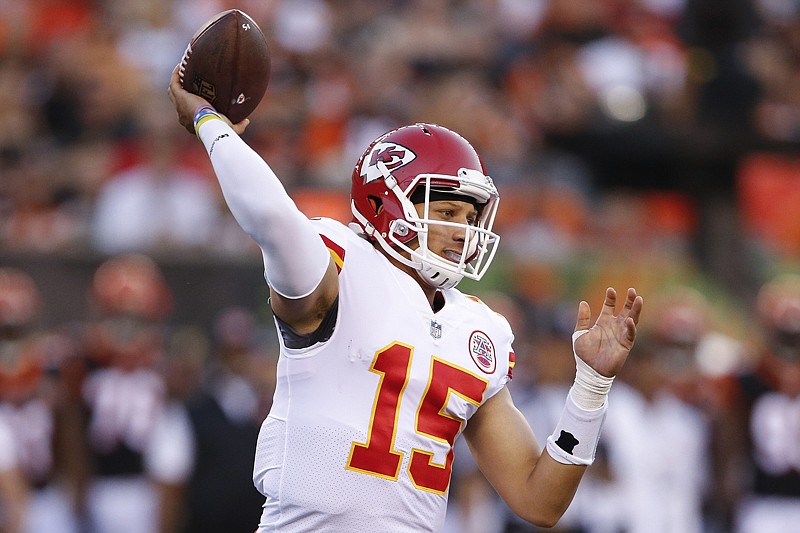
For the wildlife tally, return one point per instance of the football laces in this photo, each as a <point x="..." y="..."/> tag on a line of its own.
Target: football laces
<point x="184" y="61"/>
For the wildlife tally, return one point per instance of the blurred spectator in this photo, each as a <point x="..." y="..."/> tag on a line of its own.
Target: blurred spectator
<point x="37" y="208"/>
<point x="697" y="358"/>
<point x="92" y="90"/>
<point x="682" y="327"/>
<point x="302" y="26"/>
<point x="171" y="453"/>
<point x="157" y="204"/>
<point x="151" y="36"/>
<point x="657" y="447"/>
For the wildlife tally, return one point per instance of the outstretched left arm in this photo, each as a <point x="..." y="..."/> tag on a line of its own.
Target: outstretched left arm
<point x="540" y="486"/>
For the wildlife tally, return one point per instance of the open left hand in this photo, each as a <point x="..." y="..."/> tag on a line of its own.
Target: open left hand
<point x="607" y="343"/>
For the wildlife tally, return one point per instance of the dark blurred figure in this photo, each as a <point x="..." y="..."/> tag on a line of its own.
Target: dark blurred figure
<point x="123" y="393"/>
<point x="763" y="445"/>
<point x="211" y="489"/>
<point x="171" y="456"/>
<point x="35" y="487"/>
<point x="226" y="417"/>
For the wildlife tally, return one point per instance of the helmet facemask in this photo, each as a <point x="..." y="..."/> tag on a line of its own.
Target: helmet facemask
<point x="480" y="242"/>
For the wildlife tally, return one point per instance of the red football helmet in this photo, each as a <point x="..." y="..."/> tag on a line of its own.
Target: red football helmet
<point x="21" y="362"/>
<point x="19" y="298"/>
<point x="133" y="285"/>
<point x="421" y="163"/>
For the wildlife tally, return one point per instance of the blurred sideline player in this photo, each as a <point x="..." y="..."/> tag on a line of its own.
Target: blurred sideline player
<point x="383" y="363"/>
<point x="204" y="444"/>
<point x="39" y="493"/>
<point x="763" y="444"/>
<point x="123" y="392"/>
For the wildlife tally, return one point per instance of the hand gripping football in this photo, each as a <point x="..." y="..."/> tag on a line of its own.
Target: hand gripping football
<point x="227" y="62"/>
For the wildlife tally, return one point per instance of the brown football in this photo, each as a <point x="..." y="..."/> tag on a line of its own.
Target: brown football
<point x="227" y="62"/>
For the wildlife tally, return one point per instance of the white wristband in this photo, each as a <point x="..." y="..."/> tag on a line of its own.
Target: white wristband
<point x="575" y="438"/>
<point x="577" y="433"/>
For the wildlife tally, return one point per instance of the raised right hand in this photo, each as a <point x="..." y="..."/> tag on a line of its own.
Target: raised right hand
<point x="186" y="104"/>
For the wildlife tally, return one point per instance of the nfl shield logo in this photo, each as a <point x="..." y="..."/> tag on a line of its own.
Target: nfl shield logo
<point x="436" y="330"/>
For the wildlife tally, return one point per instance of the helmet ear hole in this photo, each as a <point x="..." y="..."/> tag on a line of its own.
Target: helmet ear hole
<point x="376" y="204"/>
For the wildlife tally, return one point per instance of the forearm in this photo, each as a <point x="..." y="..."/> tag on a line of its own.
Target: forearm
<point x="544" y="495"/>
<point x="295" y="258"/>
<point x="574" y="440"/>
<point x="533" y="485"/>
<point x="539" y="486"/>
<point x="552" y="488"/>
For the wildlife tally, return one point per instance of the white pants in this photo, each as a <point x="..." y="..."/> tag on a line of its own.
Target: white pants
<point x="123" y="505"/>
<point x="768" y="515"/>
<point x="50" y="511"/>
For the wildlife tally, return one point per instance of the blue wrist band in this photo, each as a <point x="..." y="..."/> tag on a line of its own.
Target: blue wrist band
<point x="203" y="114"/>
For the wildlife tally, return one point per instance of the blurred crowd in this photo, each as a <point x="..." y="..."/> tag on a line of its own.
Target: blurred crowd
<point x="123" y="421"/>
<point x="664" y="130"/>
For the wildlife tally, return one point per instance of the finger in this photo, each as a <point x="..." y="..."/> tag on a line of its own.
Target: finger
<point x="175" y="78"/>
<point x="584" y="317"/>
<point x="239" y="127"/>
<point x="630" y="331"/>
<point x="174" y="81"/>
<point x="610" y="302"/>
<point x="630" y="297"/>
<point x="636" y="309"/>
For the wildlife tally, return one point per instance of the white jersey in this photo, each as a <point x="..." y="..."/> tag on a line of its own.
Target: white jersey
<point x="360" y="435"/>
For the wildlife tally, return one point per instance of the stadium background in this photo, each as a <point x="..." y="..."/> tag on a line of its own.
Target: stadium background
<point x="650" y="143"/>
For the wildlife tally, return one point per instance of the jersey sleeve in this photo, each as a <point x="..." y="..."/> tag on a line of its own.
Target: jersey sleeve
<point x="295" y="261"/>
<point x="337" y="239"/>
<point x="506" y="349"/>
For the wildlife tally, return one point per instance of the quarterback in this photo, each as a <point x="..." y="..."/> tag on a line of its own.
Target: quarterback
<point x="383" y="362"/>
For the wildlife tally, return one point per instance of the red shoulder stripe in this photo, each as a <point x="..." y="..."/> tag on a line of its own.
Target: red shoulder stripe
<point x="337" y="252"/>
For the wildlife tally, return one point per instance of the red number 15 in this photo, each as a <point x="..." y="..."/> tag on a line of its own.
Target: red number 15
<point x="378" y="456"/>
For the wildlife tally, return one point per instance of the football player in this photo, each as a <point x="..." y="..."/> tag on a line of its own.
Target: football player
<point x="31" y="432"/>
<point x="383" y="362"/>
<point x="762" y="447"/>
<point x="123" y="391"/>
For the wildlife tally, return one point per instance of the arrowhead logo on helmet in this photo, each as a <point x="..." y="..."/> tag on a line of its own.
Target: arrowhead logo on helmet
<point x="392" y="155"/>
